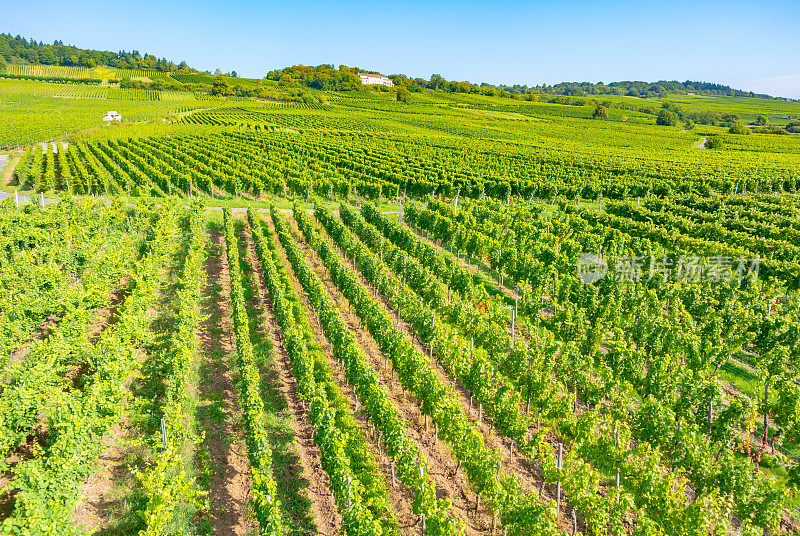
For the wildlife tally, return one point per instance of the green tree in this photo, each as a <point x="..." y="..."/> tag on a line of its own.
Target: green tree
<point x="688" y="124"/>
<point x="220" y="86"/>
<point x="713" y="142"/>
<point x="739" y="128"/>
<point x="793" y="127"/>
<point x="601" y="112"/>
<point x="667" y="119"/>
<point x="761" y="120"/>
<point x="403" y="95"/>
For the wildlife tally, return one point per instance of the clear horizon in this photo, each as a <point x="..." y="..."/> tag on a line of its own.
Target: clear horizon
<point x="747" y="46"/>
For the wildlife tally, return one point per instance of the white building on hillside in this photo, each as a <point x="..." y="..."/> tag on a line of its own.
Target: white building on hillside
<point x="370" y="79"/>
<point x="112" y="116"/>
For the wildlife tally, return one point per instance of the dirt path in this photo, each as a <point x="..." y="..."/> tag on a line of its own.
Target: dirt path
<point x="109" y="495"/>
<point x="100" y="504"/>
<point x="450" y="483"/>
<point x="302" y="473"/>
<point x="527" y="471"/>
<point x="7" y="165"/>
<point x="218" y="411"/>
<point x="702" y="144"/>
<point x="399" y="496"/>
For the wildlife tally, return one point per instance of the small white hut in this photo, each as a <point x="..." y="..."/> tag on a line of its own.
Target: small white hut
<point x="112" y="116"/>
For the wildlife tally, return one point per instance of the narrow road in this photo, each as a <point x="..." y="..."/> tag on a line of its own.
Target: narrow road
<point x="702" y="144"/>
<point x="47" y="200"/>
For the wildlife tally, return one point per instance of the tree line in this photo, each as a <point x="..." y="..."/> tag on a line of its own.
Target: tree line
<point x="21" y="50"/>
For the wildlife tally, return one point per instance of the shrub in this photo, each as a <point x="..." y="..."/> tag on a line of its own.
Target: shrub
<point x="739" y="128"/>
<point x="601" y="112"/>
<point x="667" y="119"/>
<point x="403" y="95"/>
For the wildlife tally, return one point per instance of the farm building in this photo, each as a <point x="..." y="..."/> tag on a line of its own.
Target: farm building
<point x="112" y="116"/>
<point x="370" y="79"/>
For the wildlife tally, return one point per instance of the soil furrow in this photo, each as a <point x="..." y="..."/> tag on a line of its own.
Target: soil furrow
<point x="308" y="461"/>
<point x="400" y="496"/>
<point x="218" y="412"/>
<point x="527" y="471"/>
<point x="451" y="483"/>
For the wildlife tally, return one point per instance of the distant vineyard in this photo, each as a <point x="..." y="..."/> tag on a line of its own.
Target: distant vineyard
<point x="119" y="74"/>
<point x="49" y="71"/>
<point x="194" y="78"/>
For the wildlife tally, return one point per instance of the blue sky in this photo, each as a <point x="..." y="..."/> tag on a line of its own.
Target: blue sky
<point x="750" y="45"/>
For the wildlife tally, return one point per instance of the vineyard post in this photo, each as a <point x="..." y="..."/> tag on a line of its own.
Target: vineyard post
<point x="558" y="485"/>
<point x="494" y="517"/>
<point x="16" y="199"/>
<point x="616" y="440"/>
<point x="349" y="498"/>
<point x="394" y="483"/>
<point x="530" y="384"/>
<point x="163" y="432"/>
<point x="574" y="522"/>
<point x="514" y="319"/>
<point x="42" y="198"/>
<point x="575" y="386"/>
<point x="422" y="480"/>
<point x="710" y="411"/>
<point x="638" y="203"/>
<point x="433" y="334"/>
<point x="766" y="400"/>
<point x="423" y="524"/>
<point x="480" y="413"/>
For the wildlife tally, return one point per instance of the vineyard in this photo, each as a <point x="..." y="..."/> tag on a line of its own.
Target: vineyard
<point x="342" y="314"/>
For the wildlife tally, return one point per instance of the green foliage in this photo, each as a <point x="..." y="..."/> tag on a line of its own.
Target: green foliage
<point x="35" y="52"/>
<point x="761" y="120"/>
<point x="221" y="86"/>
<point x="601" y="112"/>
<point x="324" y="77"/>
<point x="739" y="128"/>
<point x="714" y="142"/>
<point x="403" y="95"/>
<point x="667" y="118"/>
